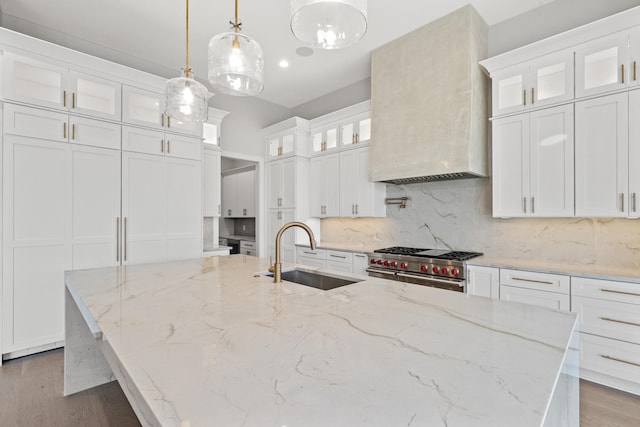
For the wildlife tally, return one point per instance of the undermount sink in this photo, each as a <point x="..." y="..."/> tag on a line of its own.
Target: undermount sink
<point x="315" y="279"/>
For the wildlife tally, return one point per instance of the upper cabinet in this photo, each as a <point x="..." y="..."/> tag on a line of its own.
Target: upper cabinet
<point x="146" y="108"/>
<point x="287" y="138"/>
<point x="34" y="82"/>
<point x="601" y="65"/>
<point x="355" y="131"/>
<point x="542" y="82"/>
<point x="325" y="138"/>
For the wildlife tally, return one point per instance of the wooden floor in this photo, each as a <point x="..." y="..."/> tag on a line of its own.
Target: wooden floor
<point x="31" y="396"/>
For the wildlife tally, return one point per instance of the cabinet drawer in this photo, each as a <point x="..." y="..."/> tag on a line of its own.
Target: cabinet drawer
<point x="309" y="253"/>
<point x="142" y="141"/>
<point x="606" y="290"/>
<point x="312" y="262"/>
<point x="94" y="133"/>
<point x="339" y="256"/>
<point x="339" y="266"/>
<point x="611" y="357"/>
<point x="532" y="280"/>
<point x="246" y="244"/>
<point x="608" y="318"/>
<point x="552" y="300"/>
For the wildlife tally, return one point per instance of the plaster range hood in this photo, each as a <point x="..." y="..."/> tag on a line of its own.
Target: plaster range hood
<point x="429" y="103"/>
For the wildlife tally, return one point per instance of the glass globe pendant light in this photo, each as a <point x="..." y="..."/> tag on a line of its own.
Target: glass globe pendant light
<point x="329" y="24"/>
<point x="236" y="62"/>
<point x="186" y="99"/>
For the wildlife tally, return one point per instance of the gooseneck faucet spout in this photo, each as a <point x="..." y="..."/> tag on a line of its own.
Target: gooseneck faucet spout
<point x="277" y="267"/>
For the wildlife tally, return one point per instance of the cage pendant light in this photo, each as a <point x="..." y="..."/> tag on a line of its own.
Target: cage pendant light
<point x="329" y="24"/>
<point x="186" y="99"/>
<point x="236" y="62"/>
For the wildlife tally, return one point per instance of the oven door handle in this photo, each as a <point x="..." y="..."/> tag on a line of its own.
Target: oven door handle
<point x="460" y="283"/>
<point x="388" y="273"/>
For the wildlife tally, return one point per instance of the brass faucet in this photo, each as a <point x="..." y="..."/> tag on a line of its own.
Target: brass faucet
<point x="277" y="267"/>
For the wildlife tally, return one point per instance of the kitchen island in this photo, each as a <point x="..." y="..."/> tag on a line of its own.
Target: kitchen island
<point x="208" y="342"/>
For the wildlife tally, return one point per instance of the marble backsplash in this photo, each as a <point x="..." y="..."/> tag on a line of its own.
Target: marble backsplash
<point x="457" y="215"/>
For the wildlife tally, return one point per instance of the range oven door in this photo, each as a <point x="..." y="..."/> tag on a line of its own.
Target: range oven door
<point x="435" y="282"/>
<point x="382" y="274"/>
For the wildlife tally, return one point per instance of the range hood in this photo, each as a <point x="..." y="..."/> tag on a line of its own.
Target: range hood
<point x="429" y="103"/>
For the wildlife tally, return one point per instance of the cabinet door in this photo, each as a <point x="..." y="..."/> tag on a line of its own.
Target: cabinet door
<point x="275" y="184"/>
<point x="94" y="133"/>
<point x="95" y="96"/>
<point x="277" y="218"/>
<point x="288" y="181"/>
<point x="142" y="107"/>
<point x="317" y="186"/>
<point x="356" y="130"/>
<point x="34" y="82"/>
<point x="483" y="281"/>
<point x="95" y="194"/>
<point x="184" y="210"/>
<point x="601" y="151"/>
<point x="36" y="220"/>
<point x="188" y="128"/>
<point x="369" y="196"/>
<point x="212" y="184"/>
<point x="348" y="179"/>
<point x="183" y="147"/>
<point x="534" y="297"/>
<point x="144" y="208"/>
<point x="600" y="65"/>
<point x="551" y="79"/>
<point x="634" y="58"/>
<point x="230" y="196"/>
<point x="325" y="138"/>
<point x="360" y="264"/>
<point x="551" y="162"/>
<point x="211" y="134"/>
<point x="273" y="147"/>
<point x="143" y="141"/>
<point x="510" y="165"/>
<point x="288" y="143"/>
<point x="246" y="194"/>
<point x="35" y="123"/>
<point x="509" y="90"/>
<point x="634" y="153"/>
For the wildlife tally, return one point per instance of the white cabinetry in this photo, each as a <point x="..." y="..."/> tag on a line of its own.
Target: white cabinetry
<point x="278" y="218"/>
<point x="609" y="325"/>
<point x="543" y="289"/>
<point x="311" y="257"/>
<point x="358" y="196"/>
<point x="56" y="86"/>
<point x="248" y="248"/>
<point x="356" y="130"/>
<point x="601" y="65"/>
<point x="211" y="176"/>
<point x="340" y="261"/>
<point x="360" y="263"/>
<point x="161" y="208"/>
<point x="533" y="164"/>
<point x="483" y="281"/>
<point x="287" y="138"/>
<point x="325" y="138"/>
<point x="542" y="82"/>
<point x="238" y="194"/>
<point x="149" y="141"/>
<point x="606" y="173"/>
<point x="324" y="191"/>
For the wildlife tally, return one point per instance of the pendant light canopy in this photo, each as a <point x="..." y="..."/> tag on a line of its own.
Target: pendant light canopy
<point x="186" y="99"/>
<point x="236" y="62"/>
<point x="329" y="24"/>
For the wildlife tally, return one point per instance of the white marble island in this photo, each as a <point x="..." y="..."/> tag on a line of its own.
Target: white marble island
<point x="207" y="343"/>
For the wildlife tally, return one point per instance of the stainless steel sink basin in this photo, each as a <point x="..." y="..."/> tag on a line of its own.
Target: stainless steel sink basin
<point x="315" y="279"/>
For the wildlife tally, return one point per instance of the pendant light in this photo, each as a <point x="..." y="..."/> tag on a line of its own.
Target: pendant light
<point x="329" y="24"/>
<point x="236" y="62"/>
<point x="186" y="99"/>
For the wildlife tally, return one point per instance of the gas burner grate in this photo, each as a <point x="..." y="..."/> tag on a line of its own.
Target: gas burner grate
<point x="459" y="255"/>
<point x="399" y="250"/>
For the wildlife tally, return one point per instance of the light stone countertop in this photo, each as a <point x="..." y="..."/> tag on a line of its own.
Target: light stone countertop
<point x="349" y="247"/>
<point x="582" y="270"/>
<point x="205" y="342"/>
<point x="237" y="237"/>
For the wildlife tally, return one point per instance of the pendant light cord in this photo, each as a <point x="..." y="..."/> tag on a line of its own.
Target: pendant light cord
<point x="187" y="69"/>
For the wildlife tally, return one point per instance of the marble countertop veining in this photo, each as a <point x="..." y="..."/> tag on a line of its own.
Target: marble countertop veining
<point x="582" y="270"/>
<point x="206" y="342"/>
<point x="350" y="247"/>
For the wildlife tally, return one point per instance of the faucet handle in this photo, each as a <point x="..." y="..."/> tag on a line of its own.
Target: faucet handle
<point x="272" y="268"/>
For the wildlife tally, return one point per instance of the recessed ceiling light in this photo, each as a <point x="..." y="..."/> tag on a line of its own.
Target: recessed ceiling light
<point x="284" y="63"/>
<point x="304" y="51"/>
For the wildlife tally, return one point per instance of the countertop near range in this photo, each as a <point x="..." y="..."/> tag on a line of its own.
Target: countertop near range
<point x="581" y="270"/>
<point x="206" y="342"/>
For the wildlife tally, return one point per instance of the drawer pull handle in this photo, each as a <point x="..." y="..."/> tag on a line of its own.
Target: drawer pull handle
<point x="338" y="256"/>
<point x="531" y="280"/>
<point x="310" y="253"/>
<point x="620" y="321"/>
<point x="620" y="292"/>
<point x="604" y="356"/>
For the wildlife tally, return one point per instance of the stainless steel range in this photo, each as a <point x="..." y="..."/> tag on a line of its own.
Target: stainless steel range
<point x="438" y="268"/>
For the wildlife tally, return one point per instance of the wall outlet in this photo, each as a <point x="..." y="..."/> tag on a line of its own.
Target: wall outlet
<point x="244" y="227"/>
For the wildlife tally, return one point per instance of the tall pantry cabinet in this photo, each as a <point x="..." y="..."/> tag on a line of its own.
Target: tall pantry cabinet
<point x="74" y="194"/>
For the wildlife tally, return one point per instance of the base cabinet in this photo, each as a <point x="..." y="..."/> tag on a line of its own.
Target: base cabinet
<point x="278" y="218"/>
<point x="483" y="281"/>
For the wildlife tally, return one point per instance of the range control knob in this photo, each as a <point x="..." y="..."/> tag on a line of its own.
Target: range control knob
<point x="423" y="268"/>
<point x="394" y="264"/>
<point x="403" y="265"/>
<point x="454" y="271"/>
<point x="435" y="269"/>
<point x="373" y="261"/>
<point x="386" y="263"/>
<point x="444" y="270"/>
<point x="379" y="262"/>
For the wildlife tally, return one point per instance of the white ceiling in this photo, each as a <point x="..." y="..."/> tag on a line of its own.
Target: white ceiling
<point x="151" y="32"/>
